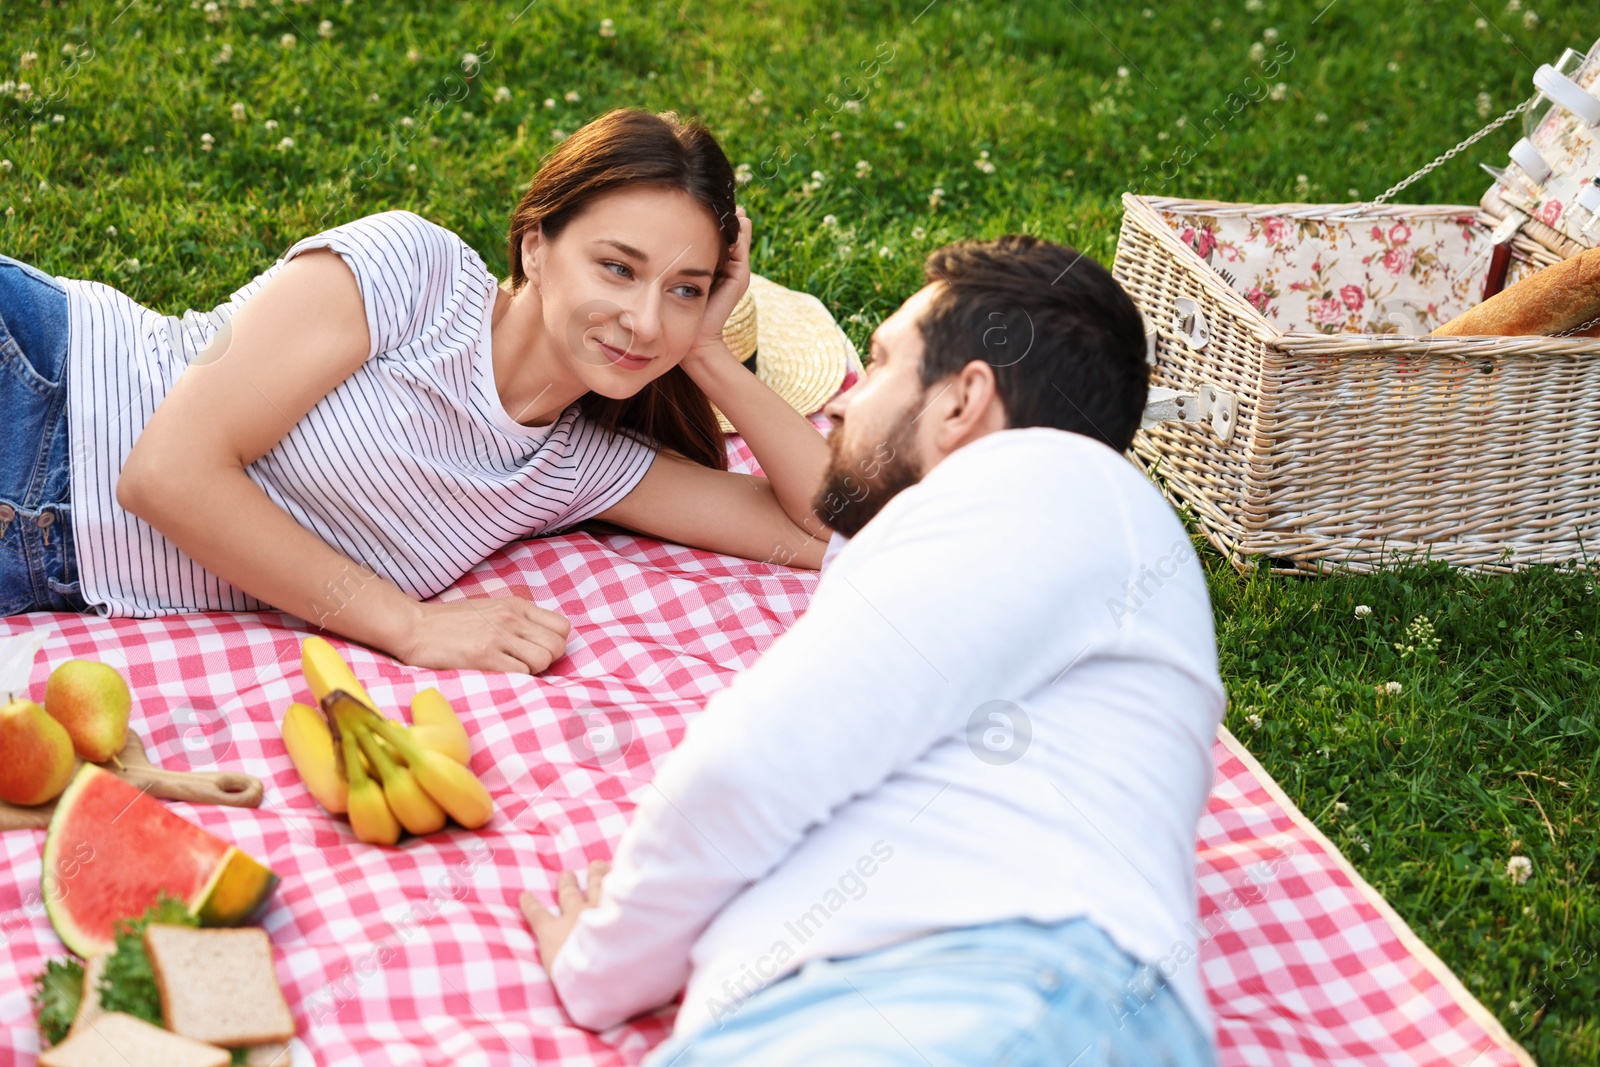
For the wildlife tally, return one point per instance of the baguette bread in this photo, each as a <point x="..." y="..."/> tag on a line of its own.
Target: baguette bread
<point x="118" y="1040"/>
<point x="218" y="985"/>
<point x="1551" y="301"/>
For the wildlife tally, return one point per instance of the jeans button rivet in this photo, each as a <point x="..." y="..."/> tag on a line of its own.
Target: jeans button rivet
<point x="45" y="519"/>
<point x="7" y="513"/>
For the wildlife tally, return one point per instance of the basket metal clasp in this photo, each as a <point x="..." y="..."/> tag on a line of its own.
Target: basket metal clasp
<point x="1190" y="322"/>
<point x="1217" y="406"/>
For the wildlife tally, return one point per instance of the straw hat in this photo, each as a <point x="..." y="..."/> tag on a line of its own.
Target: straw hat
<point x="792" y="344"/>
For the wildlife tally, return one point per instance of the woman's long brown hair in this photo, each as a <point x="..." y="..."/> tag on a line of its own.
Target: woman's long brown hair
<point x="632" y="147"/>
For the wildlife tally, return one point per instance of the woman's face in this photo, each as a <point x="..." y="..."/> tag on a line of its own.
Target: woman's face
<point x="623" y="286"/>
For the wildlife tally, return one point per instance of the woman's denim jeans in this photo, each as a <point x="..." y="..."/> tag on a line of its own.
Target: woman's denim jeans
<point x="38" y="567"/>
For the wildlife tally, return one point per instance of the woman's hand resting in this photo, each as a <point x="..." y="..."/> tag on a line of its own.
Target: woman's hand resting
<point x="503" y="633"/>
<point x="726" y="290"/>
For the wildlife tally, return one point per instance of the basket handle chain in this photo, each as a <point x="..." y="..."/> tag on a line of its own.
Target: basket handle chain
<point x="1457" y="150"/>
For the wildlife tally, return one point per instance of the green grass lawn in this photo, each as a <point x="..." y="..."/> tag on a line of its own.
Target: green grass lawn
<point x="175" y="149"/>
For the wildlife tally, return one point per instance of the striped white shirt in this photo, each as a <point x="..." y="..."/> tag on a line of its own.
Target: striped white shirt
<point x="411" y="466"/>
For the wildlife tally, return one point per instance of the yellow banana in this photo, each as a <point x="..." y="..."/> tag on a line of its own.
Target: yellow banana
<point x="434" y="723"/>
<point x="369" y="812"/>
<point x="326" y="670"/>
<point x="455" y="788"/>
<point x="310" y="745"/>
<point x="411" y="805"/>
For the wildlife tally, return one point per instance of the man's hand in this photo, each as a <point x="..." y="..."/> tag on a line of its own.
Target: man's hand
<point x="551" y="930"/>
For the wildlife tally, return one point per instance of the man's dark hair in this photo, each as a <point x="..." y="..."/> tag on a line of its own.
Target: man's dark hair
<point x="1064" y="339"/>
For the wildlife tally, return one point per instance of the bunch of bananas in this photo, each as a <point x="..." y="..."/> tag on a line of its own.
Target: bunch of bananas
<point x="383" y="775"/>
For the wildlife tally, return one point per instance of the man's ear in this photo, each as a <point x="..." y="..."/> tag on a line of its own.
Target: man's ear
<point x="973" y="407"/>
<point x="532" y="242"/>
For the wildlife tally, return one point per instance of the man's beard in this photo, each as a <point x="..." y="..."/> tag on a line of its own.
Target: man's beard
<point x="855" y="488"/>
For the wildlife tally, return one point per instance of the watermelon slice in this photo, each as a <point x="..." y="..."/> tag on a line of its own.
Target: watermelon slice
<point x="112" y="849"/>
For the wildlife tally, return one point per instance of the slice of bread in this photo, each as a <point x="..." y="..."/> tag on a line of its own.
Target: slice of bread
<point x="218" y="985"/>
<point x="276" y="1054"/>
<point x="118" y="1040"/>
<point x="89" y="1008"/>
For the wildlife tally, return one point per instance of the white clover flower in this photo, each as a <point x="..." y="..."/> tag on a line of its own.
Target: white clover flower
<point x="1482" y="24"/>
<point x="852" y="105"/>
<point x="270" y="124"/>
<point x="213" y="14"/>
<point x="807" y="188"/>
<point x="10" y="211"/>
<point x="1519" y="869"/>
<point x="502" y="94"/>
<point x="27" y="59"/>
<point x="572" y="96"/>
<point x="936" y="197"/>
<point x="608" y="28"/>
<point x="984" y="165"/>
<point x="5" y="164"/>
<point x="470" y="61"/>
<point x="287" y="40"/>
<point x="206" y="142"/>
<point x="69" y="49"/>
<point x="372" y="98"/>
<point x="899" y="124"/>
<point x="238" y="112"/>
<point x="1393" y="66"/>
<point x="863" y="168"/>
<point x="325" y="29"/>
<point x="1122" y="72"/>
<point x="1301" y="183"/>
<point x="1362" y="611"/>
<point x="918" y="233"/>
<point x="1252" y="5"/>
<point x="818" y="177"/>
<point x="844" y="251"/>
<point x="1321" y="116"/>
<point x="1258" y="52"/>
<point x="836" y="136"/>
<point x="149" y="149"/>
<point x="1530" y="19"/>
<point x="1393" y="688"/>
<point x="1279" y="91"/>
<point x="1254" y="720"/>
<point x="830" y="220"/>
<point x="558" y="135"/>
<point x="24" y="91"/>
<point x="130" y="264"/>
<point x="756" y="96"/>
<point x="111" y="231"/>
<point x="1485" y="104"/>
<point x="885" y="252"/>
<point x="224" y="55"/>
<point x="8" y="87"/>
<point x="58" y="119"/>
<point x="742" y="174"/>
<point x="1513" y="5"/>
<point x="1340" y="806"/>
<point x="1270" y="34"/>
<point x="1354" y="192"/>
<point x="550" y="102"/>
<point x="412" y="55"/>
<point x="407" y="121"/>
<point x="285" y="144"/>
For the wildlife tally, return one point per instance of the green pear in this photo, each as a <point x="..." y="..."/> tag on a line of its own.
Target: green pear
<point x="92" y="701"/>
<point x="35" y="754"/>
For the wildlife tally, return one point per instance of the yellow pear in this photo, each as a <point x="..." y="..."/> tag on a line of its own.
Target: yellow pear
<point x="35" y="754"/>
<point x="92" y="701"/>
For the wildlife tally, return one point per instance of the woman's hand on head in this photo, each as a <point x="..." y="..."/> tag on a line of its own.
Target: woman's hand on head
<point x="485" y="633"/>
<point x="726" y="290"/>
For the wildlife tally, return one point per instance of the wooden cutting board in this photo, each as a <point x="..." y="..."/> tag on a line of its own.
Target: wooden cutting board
<point x="198" y="787"/>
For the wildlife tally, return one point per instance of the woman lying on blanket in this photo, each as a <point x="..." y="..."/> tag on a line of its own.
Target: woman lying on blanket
<point x="374" y="415"/>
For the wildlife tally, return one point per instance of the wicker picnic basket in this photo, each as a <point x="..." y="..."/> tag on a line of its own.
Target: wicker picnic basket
<point x="1300" y="413"/>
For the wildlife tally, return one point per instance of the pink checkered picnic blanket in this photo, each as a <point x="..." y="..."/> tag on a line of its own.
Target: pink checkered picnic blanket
<point x="419" y="954"/>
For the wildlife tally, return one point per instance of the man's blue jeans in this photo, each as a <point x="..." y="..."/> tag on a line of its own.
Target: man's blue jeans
<point x="38" y="568"/>
<point x="1015" y="993"/>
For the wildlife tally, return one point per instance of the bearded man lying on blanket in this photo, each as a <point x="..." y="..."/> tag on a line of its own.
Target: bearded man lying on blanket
<point x="948" y="817"/>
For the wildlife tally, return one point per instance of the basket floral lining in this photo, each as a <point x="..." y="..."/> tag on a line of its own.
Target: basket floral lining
<point x="1347" y="275"/>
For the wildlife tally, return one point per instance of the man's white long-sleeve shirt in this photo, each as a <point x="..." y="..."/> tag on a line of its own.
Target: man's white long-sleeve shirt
<point x="1000" y="703"/>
